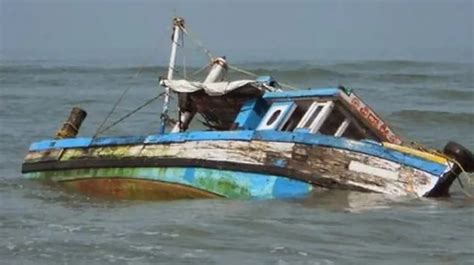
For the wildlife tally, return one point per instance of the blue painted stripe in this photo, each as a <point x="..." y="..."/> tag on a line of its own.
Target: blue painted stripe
<point x="312" y="92"/>
<point x="61" y="143"/>
<point x="251" y="114"/>
<point x="118" y="140"/>
<point x="200" y="136"/>
<point x="166" y="138"/>
<point x="282" y="188"/>
<point x="368" y="148"/>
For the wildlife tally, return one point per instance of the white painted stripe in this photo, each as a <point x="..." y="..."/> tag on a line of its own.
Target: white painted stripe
<point x="363" y="168"/>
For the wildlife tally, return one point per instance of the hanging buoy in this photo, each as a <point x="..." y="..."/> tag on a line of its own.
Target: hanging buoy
<point x="72" y="125"/>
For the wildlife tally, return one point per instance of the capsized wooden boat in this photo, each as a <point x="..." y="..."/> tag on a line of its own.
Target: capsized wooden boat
<point x="262" y="142"/>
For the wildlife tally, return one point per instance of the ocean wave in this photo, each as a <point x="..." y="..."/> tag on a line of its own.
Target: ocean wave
<point x="397" y="63"/>
<point x="40" y="69"/>
<point x="408" y="77"/>
<point x="434" y="117"/>
<point x="453" y="94"/>
<point x="300" y="72"/>
<point x="385" y="71"/>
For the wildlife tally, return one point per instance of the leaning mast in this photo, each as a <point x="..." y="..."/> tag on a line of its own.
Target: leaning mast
<point x="178" y="25"/>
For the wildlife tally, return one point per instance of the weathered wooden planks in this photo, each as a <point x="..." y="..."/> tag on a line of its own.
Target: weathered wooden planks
<point x="321" y="166"/>
<point x="368" y="148"/>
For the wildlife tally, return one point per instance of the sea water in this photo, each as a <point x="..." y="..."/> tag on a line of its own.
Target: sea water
<point x="427" y="102"/>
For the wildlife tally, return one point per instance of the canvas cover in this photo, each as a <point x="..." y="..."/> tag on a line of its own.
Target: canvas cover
<point x="212" y="89"/>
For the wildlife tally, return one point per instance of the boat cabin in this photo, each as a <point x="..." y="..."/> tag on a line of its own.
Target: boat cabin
<point x="311" y="111"/>
<point x="260" y="105"/>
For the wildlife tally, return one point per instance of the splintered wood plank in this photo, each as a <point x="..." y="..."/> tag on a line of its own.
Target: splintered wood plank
<point x="43" y="156"/>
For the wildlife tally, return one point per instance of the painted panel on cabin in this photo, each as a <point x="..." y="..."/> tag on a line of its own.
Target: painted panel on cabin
<point x="251" y="114"/>
<point x="230" y="184"/>
<point x="277" y="115"/>
<point x="369" y="117"/>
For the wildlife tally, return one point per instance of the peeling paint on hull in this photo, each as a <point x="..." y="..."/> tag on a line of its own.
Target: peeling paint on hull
<point x="174" y="183"/>
<point x="135" y="189"/>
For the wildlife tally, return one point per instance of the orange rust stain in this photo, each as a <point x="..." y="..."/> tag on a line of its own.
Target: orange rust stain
<point x="136" y="189"/>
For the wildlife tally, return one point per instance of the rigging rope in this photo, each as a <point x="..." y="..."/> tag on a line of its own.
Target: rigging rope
<point x="116" y="103"/>
<point x="198" y="43"/>
<point x="131" y="113"/>
<point x="255" y="75"/>
<point x="211" y="57"/>
<point x="242" y="71"/>
<point x="200" y="70"/>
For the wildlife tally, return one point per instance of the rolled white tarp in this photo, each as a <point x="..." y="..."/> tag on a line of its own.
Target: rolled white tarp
<point x="212" y="89"/>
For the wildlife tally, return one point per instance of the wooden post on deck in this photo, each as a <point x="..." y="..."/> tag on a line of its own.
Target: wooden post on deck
<point x="73" y="123"/>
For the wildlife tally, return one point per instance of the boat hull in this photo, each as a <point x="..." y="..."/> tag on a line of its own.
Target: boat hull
<point x="168" y="183"/>
<point x="232" y="164"/>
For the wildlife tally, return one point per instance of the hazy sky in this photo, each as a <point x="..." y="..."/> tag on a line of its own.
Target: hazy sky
<point x="139" y="31"/>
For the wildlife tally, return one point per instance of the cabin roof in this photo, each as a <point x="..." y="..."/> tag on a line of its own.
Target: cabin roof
<point x="311" y="92"/>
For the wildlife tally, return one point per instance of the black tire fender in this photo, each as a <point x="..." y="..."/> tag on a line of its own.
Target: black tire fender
<point x="461" y="154"/>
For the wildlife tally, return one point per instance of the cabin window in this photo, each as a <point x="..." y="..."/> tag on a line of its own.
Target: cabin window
<point x="312" y="116"/>
<point x="277" y="115"/>
<point x="315" y="116"/>
<point x="297" y="115"/>
<point x="342" y="128"/>
<point x="335" y="123"/>
<point x="328" y="118"/>
<point x="273" y="118"/>
<point x="325" y="117"/>
<point x="358" y="132"/>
